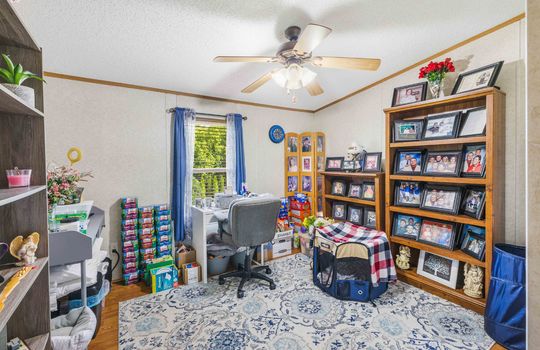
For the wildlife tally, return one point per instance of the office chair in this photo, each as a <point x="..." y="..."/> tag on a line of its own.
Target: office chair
<point x="250" y="223"/>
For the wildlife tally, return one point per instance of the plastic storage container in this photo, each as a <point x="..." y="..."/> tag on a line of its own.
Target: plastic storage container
<point x="217" y="264"/>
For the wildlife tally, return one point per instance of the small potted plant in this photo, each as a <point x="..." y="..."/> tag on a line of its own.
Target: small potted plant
<point x="435" y="72"/>
<point x="63" y="185"/>
<point x="14" y="76"/>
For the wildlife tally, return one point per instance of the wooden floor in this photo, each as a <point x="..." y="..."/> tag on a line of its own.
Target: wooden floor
<point x="107" y="338"/>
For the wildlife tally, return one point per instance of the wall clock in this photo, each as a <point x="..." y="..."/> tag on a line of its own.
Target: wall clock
<point x="276" y="133"/>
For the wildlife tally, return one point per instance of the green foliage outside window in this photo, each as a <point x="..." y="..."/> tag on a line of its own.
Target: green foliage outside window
<point x="210" y="153"/>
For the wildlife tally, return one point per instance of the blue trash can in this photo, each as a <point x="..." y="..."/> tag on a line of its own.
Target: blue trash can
<point x="504" y="320"/>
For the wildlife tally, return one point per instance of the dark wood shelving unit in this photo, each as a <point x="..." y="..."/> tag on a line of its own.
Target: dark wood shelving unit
<point x="493" y="182"/>
<point x="377" y="204"/>
<point x="26" y="312"/>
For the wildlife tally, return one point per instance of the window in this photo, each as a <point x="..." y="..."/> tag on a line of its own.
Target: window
<point x="209" y="166"/>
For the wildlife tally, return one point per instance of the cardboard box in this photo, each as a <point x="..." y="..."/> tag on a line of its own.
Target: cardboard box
<point x="191" y="273"/>
<point x="185" y="258"/>
<point x="281" y="247"/>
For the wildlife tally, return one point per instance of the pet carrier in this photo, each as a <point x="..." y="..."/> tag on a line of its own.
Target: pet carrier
<point x="352" y="262"/>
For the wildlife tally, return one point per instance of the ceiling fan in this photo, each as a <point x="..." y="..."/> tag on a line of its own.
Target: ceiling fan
<point x="294" y="54"/>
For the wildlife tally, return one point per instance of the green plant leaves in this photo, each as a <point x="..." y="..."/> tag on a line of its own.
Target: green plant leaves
<point x="16" y="74"/>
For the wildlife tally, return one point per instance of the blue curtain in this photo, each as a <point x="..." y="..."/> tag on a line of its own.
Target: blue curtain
<point x="240" y="162"/>
<point x="180" y="169"/>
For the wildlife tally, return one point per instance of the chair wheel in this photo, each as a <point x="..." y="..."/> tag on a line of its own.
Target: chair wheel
<point x="221" y="281"/>
<point x="240" y="294"/>
<point x="272" y="286"/>
<point x="268" y="271"/>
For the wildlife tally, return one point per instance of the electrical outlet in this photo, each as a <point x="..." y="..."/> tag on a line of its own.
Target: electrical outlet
<point x="113" y="246"/>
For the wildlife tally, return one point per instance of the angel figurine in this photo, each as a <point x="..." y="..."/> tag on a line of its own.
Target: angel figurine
<point x="402" y="260"/>
<point x="24" y="249"/>
<point x="474" y="281"/>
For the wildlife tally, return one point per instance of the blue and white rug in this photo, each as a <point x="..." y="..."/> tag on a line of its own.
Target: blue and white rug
<point x="296" y="315"/>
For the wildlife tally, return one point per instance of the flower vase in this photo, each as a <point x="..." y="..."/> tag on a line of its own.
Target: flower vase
<point x="435" y="87"/>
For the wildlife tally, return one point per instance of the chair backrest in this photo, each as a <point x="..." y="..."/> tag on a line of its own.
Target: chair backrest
<point x="252" y="221"/>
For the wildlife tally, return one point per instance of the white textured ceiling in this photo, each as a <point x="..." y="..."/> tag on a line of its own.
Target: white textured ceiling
<point x="170" y="44"/>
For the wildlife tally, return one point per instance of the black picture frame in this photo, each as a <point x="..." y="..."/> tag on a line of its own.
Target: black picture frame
<point x="399" y="230"/>
<point x="336" y="186"/>
<point x="365" y="187"/>
<point x="398" y="169"/>
<point x="400" y="136"/>
<point x="370" y="218"/>
<point x="355" y="190"/>
<point x="348" y="166"/>
<point x="467" y="117"/>
<point x="432" y="125"/>
<point x="438" y="161"/>
<point x="339" y="211"/>
<point x="468" y="166"/>
<point x="367" y="157"/>
<point x="330" y="160"/>
<point x="399" y="191"/>
<point x="446" y="240"/>
<point x="432" y="195"/>
<point x="357" y="220"/>
<point x="471" y="230"/>
<point x="474" y="209"/>
<point x="495" y="69"/>
<point x="423" y="93"/>
<point x="474" y="245"/>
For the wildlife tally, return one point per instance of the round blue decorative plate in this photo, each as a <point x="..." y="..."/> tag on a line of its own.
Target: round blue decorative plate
<point x="276" y="133"/>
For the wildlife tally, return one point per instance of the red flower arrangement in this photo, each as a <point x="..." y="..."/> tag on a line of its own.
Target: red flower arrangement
<point x="435" y="71"/>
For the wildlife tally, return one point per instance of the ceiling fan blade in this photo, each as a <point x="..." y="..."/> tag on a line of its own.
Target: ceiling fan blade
<point x="257" y="83"/>
<point x="346" y="62"/>
<point x="314" y="88"/>
<point x="311" y="37"/>
<point x="259" y="59"/>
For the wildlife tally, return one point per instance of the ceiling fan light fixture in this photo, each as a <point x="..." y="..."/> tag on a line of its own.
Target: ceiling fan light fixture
<point x="280" y="77"/>
<point x="293" y="77"/>
<point x="307" y="76"/>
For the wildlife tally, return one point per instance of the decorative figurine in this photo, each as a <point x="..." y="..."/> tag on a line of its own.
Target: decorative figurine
<point x="25" y="249"/>
<point x="353" y="152"/>
<point x="402" y="260"/>
<point x="474" y="281"/>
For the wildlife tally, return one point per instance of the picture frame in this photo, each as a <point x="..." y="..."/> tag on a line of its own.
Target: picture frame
<point x="444" y="199"/>
<point x="408" y="162"/>
<point x="348" y="166"/>
<point x="292" y="144"/>
<point x="474" y="160"/>
<point x="474" y="201"/>
<point x="339" y="188"/>
<point x="355" y="190"/>
<point x="441" y="126"/>
<point x="404" y="95"/>
<point x="438" y="233"/>
<point x="339" y="211"/>
<point x="408" y="130"/>
<point x="406" y="226"/>
<point x="306" y="144"/>
<point x="306" y="164"/>
<point x="320" y="163"/>
<point x="320" y="143"/>
<point x="473" y="122"/>
<point x="474" y="245"/>
<point x="471" y="230"/>
<point x="438" y="268"/>
<point x="334" y="163"/>
<point x="319" y="183"/>
<point x="292" y="164"/>
<point x="408" y="193"/>
<point x="478" y="78"/>
<point x="368" y="191"/>
<point x="443" y="163"/>
<point x="292" y="183"/>
<point x="372" y="162"/>
<point x="307" y="183"/>
<point x="355" y="215"/>
<point x="370" y="218"/>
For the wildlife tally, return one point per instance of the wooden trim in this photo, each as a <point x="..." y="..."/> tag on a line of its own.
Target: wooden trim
<point x="440" y="53"/>
<point x="166" y="91"/>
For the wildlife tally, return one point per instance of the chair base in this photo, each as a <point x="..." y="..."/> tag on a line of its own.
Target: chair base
<point x="246" y="273"/>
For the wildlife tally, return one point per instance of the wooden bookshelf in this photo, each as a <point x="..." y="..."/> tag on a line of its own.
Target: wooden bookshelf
<point x="26" y="313"/>
<point x="493" y="182"/>
<point x="377" y="204"/>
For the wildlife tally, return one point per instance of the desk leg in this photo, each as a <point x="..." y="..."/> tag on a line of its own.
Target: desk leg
<point x="83" y="283"/>
<point x="199" y="242"/>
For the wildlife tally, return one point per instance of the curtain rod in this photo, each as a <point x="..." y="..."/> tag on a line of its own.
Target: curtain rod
<point x="171" y="110"/>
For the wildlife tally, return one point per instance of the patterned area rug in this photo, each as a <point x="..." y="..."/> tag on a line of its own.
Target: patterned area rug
<point x="297" y="315"/>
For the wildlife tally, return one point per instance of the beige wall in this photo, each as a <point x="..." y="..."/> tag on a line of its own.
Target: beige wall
<point x="361" y="118"/>
<point x="125" y="137"/>
<point x="533" y="171"/>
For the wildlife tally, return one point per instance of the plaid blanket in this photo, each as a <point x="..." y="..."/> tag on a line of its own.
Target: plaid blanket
<point x="380" y="255"/>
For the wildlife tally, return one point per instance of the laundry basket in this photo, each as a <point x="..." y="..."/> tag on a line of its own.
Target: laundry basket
<point x="505" y="316"/>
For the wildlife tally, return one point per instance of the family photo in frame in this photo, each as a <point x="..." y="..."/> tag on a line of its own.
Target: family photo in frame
<point x="408" y="162"/>
<point x="443" y="163"/>
<point x="438" y="233"/>
<point x="444" y="199"/>
<point x="409" y="94"/>
<point x="408" y="193"/>
<point x="405" y="130"/>
<point x="334" y="163"/>
<point x="441" y="126"/>
<point x="407" y="226"/>
<point x="474" y="163"/>
<point x="355" y="215"/>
